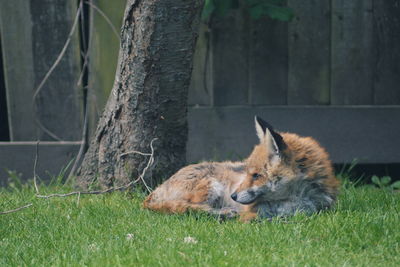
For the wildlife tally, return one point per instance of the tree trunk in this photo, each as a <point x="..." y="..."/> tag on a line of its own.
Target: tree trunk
<point x="149" y="96"/>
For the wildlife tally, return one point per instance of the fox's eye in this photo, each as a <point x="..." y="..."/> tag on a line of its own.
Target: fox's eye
<point x="278" y="178"/>
<point x="255" y="175"/>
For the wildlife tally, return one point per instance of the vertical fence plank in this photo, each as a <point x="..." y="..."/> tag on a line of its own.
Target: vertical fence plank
<point x="268" y="62"/>
<point x="103" y="54"/>
<point x="387" y="44"/>
<point x="59" y="102"/>
<point x="352" y="52"/>
<point x="15" y="23"/>
<point x="309" y="53"/>
<point x="230" y="61"/>
<point x="200" y="89"/>
<point x="34" y="33"/>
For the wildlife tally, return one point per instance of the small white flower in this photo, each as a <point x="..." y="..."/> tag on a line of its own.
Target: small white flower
<point x="68" y="217"/>
<point x="129" y="236"/>
<point x="169" y="239"/>
<point x="93" y="247"/>
<point x="225" y="253"/>
<point x="190" y="240"/>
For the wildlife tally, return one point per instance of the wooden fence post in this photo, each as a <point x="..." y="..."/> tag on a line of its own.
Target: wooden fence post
<point x="33" y="35"/>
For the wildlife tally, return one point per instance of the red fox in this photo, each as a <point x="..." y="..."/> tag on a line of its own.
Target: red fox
<point x="283" y="175"/>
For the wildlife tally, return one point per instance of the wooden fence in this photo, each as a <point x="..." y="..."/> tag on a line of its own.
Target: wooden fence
<point x="33" y="34"/>
<point x="332" y="73"/>
<point x="332" y="53"/>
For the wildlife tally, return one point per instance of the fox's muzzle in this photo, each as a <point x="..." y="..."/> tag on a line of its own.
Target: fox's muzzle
<point x="245" y="197"/>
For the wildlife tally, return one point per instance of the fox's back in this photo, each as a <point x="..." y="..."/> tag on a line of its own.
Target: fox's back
<point x="307" y="155"/>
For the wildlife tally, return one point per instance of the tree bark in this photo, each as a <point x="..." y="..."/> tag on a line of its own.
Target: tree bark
<point x="149" y="96"/>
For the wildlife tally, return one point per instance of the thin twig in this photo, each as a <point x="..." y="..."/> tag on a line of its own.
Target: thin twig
<point x="149" y="163"/>
<point x="89" y="3"/>
<point x="112" y="189"/>
<point x="85" y="120"/>
<point x="34" y="167"/>
<point x="17" y="209"/>
<point x="79" y="14"/>
<point x="134" y="152"/>
<point x="84" y="65"/>
<point x="99" y="192"/>
<point x="46" y="77"/>
<point x="44" y="129"/>
<point x="37" y="90"/>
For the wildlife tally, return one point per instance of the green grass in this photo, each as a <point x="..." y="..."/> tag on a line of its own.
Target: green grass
<point x="363" y="230"/>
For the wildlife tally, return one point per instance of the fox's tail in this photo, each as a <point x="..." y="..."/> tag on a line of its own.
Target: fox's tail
<point x="147" y="203"/>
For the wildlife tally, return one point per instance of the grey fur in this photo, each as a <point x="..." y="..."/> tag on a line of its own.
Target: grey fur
<point x="287" y="198"/>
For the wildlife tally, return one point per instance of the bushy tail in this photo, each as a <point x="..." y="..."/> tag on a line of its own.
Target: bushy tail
<point x="147" y="203"/>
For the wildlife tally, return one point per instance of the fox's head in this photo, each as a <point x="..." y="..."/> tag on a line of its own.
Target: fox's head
<point x="268" y="173"/>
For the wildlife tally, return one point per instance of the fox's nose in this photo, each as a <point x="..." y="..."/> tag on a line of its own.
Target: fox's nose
<point x="234" y="196"/>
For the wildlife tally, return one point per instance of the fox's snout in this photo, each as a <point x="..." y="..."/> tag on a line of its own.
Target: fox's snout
<point x="245" y="196"/>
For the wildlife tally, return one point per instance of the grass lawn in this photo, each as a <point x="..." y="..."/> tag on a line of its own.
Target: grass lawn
<point x="113" y="230"/>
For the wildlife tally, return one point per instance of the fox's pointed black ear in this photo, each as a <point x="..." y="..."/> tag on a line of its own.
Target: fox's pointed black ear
<point x="265" y="131"/>
<point x="262" y="126"/>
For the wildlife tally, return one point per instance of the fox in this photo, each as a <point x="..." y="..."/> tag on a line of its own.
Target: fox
<point x="285" y="174"/>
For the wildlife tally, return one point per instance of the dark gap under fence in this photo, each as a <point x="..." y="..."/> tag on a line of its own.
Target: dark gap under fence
<point x="4" y="128"/>
<point x="84" y="40"/>
<point x="364" y="172"/>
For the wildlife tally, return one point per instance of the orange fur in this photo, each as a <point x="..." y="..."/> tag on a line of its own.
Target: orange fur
<point x="194" y="188"/>
<point x="284" y="174"/>
<point x="302" y="155"/>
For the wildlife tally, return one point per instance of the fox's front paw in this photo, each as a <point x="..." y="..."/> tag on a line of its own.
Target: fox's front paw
<point x="247" y="217"/>
<point x="227" y="213"/>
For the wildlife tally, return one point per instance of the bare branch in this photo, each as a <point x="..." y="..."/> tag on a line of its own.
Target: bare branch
<point x="84" y="69"/>
<point x="149" y="163"/>
<point x="79" y="83"/>
<point x="15" y="210"/>
<point x="46" y="77"/>
<point x="112" y="189"/>
<point x="99" y="192"/>
<point x="134" y="152"/>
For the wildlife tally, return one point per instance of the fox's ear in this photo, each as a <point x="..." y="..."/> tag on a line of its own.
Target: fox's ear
<point x="260" y="128"/>
<point x="268" y="136"/>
